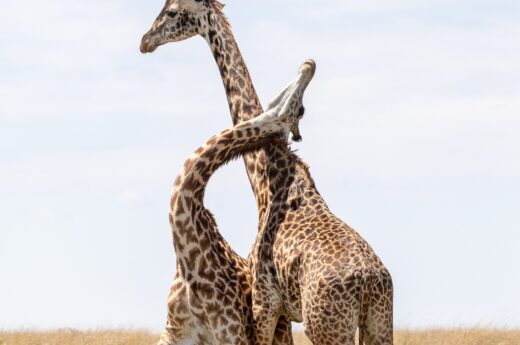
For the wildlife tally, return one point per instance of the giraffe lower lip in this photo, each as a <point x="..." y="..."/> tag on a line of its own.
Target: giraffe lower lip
<point x="297" y="138"/>
<point x="147" y="48"/>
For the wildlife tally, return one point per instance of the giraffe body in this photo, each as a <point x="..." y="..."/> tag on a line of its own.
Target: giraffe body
<point x="210" y="299"/>
<point x="306" y="264"/>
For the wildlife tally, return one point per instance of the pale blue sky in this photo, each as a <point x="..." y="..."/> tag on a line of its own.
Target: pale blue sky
<point x="412" y="133"/>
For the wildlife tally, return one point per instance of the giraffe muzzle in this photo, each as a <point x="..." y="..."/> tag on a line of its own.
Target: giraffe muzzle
<point x="306" y="71"/>
<point x="147" y="45"/>
<point x="295" y="130"/>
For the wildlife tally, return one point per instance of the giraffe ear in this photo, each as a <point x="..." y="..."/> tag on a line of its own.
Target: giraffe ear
<point x="220" y="4"/>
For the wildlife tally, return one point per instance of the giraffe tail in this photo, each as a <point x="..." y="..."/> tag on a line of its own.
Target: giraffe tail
<point x="363" y="312"/>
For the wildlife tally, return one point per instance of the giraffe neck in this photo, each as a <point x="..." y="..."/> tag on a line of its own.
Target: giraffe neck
<point x="244" y="104"/>
<point x="192" y="225"/>
<point x="241" y="95"/>
<point x="242" y="99"/>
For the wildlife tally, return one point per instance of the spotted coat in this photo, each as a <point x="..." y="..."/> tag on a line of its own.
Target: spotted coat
<point x="306" y="264"/>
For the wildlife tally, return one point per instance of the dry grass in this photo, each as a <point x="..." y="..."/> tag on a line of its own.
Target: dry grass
<point x="431" y="337"/>
<point x="445" y="337"/>
<point x="458" y="337"/>
<point x="73" y="337"/>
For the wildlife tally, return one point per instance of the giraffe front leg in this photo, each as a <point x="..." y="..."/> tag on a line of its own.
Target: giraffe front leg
<point x="266" y="315"/>
<point x="231" y="331"/>
<point x="264" y="325"/>
<point x="283" y="332"/>
<point x="178" y="328"/>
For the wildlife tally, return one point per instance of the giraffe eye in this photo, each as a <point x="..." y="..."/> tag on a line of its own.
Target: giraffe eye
<point x="301" y="111"/>
<point x="171" y="14"/>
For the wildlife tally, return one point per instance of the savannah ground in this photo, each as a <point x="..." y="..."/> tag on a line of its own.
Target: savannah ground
<point x="425" y="337"/>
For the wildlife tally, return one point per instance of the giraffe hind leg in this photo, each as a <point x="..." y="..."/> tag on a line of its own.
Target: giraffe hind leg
<point x="379" y="323"/>
<point x="337" y="332"/>
<point x="331" y="318"/>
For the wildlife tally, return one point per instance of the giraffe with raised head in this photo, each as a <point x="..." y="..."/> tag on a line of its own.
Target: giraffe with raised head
<point x="306" y="264"/>
<point x="210" y="300"/>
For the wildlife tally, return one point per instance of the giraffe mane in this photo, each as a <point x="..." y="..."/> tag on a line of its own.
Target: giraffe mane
<point x="304" y="166"/>
<point x="218" y="6"/>
<point x="296" y="159"/>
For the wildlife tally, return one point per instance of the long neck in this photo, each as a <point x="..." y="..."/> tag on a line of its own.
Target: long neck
<point x="191" y="223"/>
<point x="242" y="99"/>
<point x="241" y="95"/>
<point x="244" y="104"/>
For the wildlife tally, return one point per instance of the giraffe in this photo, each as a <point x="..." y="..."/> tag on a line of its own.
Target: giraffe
<point x="210" y="298"/>
<point x="306" y="264"/>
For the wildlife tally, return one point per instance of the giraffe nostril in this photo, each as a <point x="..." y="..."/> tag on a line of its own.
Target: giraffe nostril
<point x="147" y="47"/>
<point x="143" y="47"/>
<point x="145" y="41"/>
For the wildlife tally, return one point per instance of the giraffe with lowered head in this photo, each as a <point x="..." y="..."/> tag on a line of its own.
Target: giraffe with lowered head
<point x="210" y="301"/>
<point x="306" y="264"/>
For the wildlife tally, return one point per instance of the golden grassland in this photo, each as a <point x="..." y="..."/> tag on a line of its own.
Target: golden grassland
<point x="105" y="337"/>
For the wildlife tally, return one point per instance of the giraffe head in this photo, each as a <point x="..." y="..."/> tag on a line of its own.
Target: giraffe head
<point x="288" y="105"/>
<point x="180" y="20"/>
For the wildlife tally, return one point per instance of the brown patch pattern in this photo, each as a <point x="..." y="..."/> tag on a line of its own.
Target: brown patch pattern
<point x="306" y="264"/>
